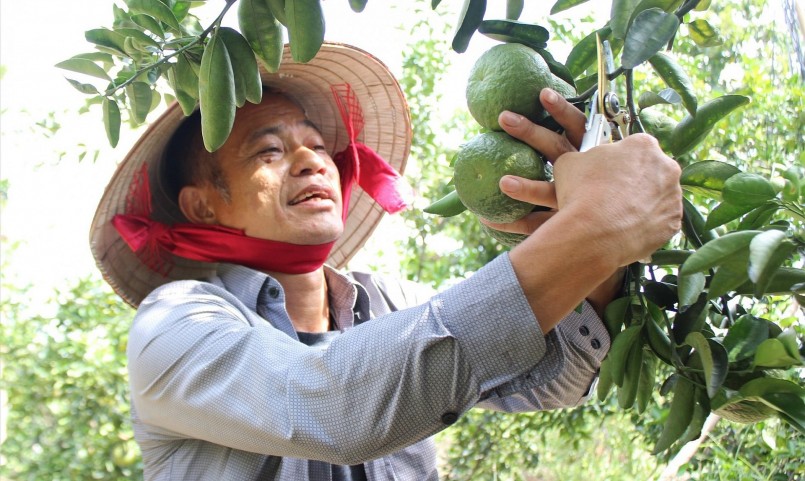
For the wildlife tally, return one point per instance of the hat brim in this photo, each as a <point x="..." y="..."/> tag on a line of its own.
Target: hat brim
<point x="387" y="130"/>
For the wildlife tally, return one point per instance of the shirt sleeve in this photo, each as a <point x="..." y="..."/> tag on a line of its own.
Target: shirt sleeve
<point x="566" y="375"/>
<point x="203" y="366"/>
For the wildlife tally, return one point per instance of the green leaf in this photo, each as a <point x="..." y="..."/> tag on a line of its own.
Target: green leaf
<point x="744" y="336"/>
<point x="615" y="314"/>
<point x="305" y="28"/>
<point x="691" y="130"/>
<point x="689" y="287"/>
<point x="731" y="273"/>
<point x="88" y="89"/>
<point x="620" y="14"/>
<point x="104" y="58"/>
<point x="714" y="360"/>
<point x="651" y="31"/>
<point x="660" y="293"/>
<point x="723" y="213"/>
<point x="472" y="14"/>
<point x="700" y="412"/>
<point x="675" y="77"/>
<point x="767" y="385"/>
<point x="669" y="257"/>
<point x="447" y="206"/>
<point x="357" y="5"/>
<point x="789" y="339"/>
<point x="631" y="379"/>
<point x="111" y="121"/>
<point x="767" y="252"/>
<point x="664" y="5"/>
<point x="184" y="81"/>
<point x="707" y="177"/>
<point x="693" y="225"/>
<point x="528" y="34"/>
<point x="107" y="38"/>
<point x="139" y="37"/>
<point x="691" y="319"/>
<point x="180" y="8"/>
<point x="87" y="67"/>
<point x="604" y="380"/>
<point x="746" y="189"/>
<point x="619" y="352"/>
<point x="216" y="94"/>
<point x="149" y="23"/>
<point x="758" y="217"/>
<point x="139" y="95"/>
<point x="663" y="97"/>
<point x="783" y="281"/>
<point x="248" y="85"/>
<point x="704" y="34"/>
<point x="263" y="32"/>
<point x="514" y="8"/>
<point x="278" y="10"/>
<point x="556" y="68"/>
<point x="790" y="406"/>
<point x="156" y="9"/>
<point x="773" y="353"/>
<point x="585" y="53"/>
<point x="657" y="336"/>
<point x="562" y="5"/>
<point x="714" y="252"/>
<point x="680" y="415"/>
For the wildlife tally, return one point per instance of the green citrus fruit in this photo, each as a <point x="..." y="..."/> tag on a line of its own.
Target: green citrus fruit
<point x="479" y="165"/>
<point x="509" y="239"/>
<point x="659" y="125"/>
<point x="510" y="76"/>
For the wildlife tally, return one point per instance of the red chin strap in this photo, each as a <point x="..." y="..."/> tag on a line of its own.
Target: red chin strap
<point x="153" y="241"/>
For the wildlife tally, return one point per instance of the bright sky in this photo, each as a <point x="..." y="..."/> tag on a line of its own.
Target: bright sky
<point x="52" y="197"/>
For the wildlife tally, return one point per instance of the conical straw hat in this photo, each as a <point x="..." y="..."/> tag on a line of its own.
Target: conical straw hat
<point x="387" y="130"/>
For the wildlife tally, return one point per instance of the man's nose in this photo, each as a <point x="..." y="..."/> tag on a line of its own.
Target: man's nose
<point x="307" y="161"/>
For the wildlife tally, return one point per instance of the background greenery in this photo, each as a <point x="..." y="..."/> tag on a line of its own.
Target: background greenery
<point x="64" y="374"/>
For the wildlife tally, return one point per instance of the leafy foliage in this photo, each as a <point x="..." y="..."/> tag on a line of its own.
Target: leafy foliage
<point x="67" y="387"/>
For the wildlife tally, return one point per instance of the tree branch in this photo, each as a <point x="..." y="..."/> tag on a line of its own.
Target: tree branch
<point x="688" y="451"/>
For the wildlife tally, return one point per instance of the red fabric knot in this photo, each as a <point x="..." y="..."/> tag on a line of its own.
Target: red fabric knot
<point x="148" y="239"/>
<point x="359" y="163"/>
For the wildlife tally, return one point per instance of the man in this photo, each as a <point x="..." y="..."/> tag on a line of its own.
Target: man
<point x="274" y="365"/>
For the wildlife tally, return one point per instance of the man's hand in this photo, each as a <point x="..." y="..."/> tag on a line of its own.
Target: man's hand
<point x="613" y="205"/>
<point x="551" y="145"/>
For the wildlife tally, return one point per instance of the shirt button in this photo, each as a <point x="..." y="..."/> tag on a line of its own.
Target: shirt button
<point x="449" y="418"/>
<point x="595" y="343"/>
<point x="273" y="292"/>
<point x="584" y="331"/>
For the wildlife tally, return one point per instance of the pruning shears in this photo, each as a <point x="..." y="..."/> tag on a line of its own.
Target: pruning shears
<point x="606" y="121"/>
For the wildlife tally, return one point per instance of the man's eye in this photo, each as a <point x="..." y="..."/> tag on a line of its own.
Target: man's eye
<point x="270" y="151"/>
<point x="320" y="148"/>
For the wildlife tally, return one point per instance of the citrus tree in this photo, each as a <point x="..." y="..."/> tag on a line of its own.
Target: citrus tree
<point x="710" y="322"/>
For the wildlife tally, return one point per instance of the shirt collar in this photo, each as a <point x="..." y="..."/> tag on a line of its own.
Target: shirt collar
<point x="246" y="284"/>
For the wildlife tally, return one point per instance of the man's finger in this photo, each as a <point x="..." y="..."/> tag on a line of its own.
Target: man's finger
<point x="535" y="192"/>
<point x="548" y="142"/>
<point x="568" y="116"/>
<point x="524" y="225"/>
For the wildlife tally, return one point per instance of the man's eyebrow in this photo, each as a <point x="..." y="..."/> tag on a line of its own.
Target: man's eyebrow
<point x="276" y="129"/>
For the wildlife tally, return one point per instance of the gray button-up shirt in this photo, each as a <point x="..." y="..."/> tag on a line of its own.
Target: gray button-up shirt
<point x="222" y="389"/>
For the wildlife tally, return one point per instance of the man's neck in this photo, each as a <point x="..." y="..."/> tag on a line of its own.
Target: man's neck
<point x="306" y="300"/>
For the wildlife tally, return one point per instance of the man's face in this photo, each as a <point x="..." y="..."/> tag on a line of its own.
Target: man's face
<point x="283" y="185"/>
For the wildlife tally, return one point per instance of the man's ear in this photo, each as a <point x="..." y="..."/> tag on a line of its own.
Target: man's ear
<point x="194" y="204"/>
